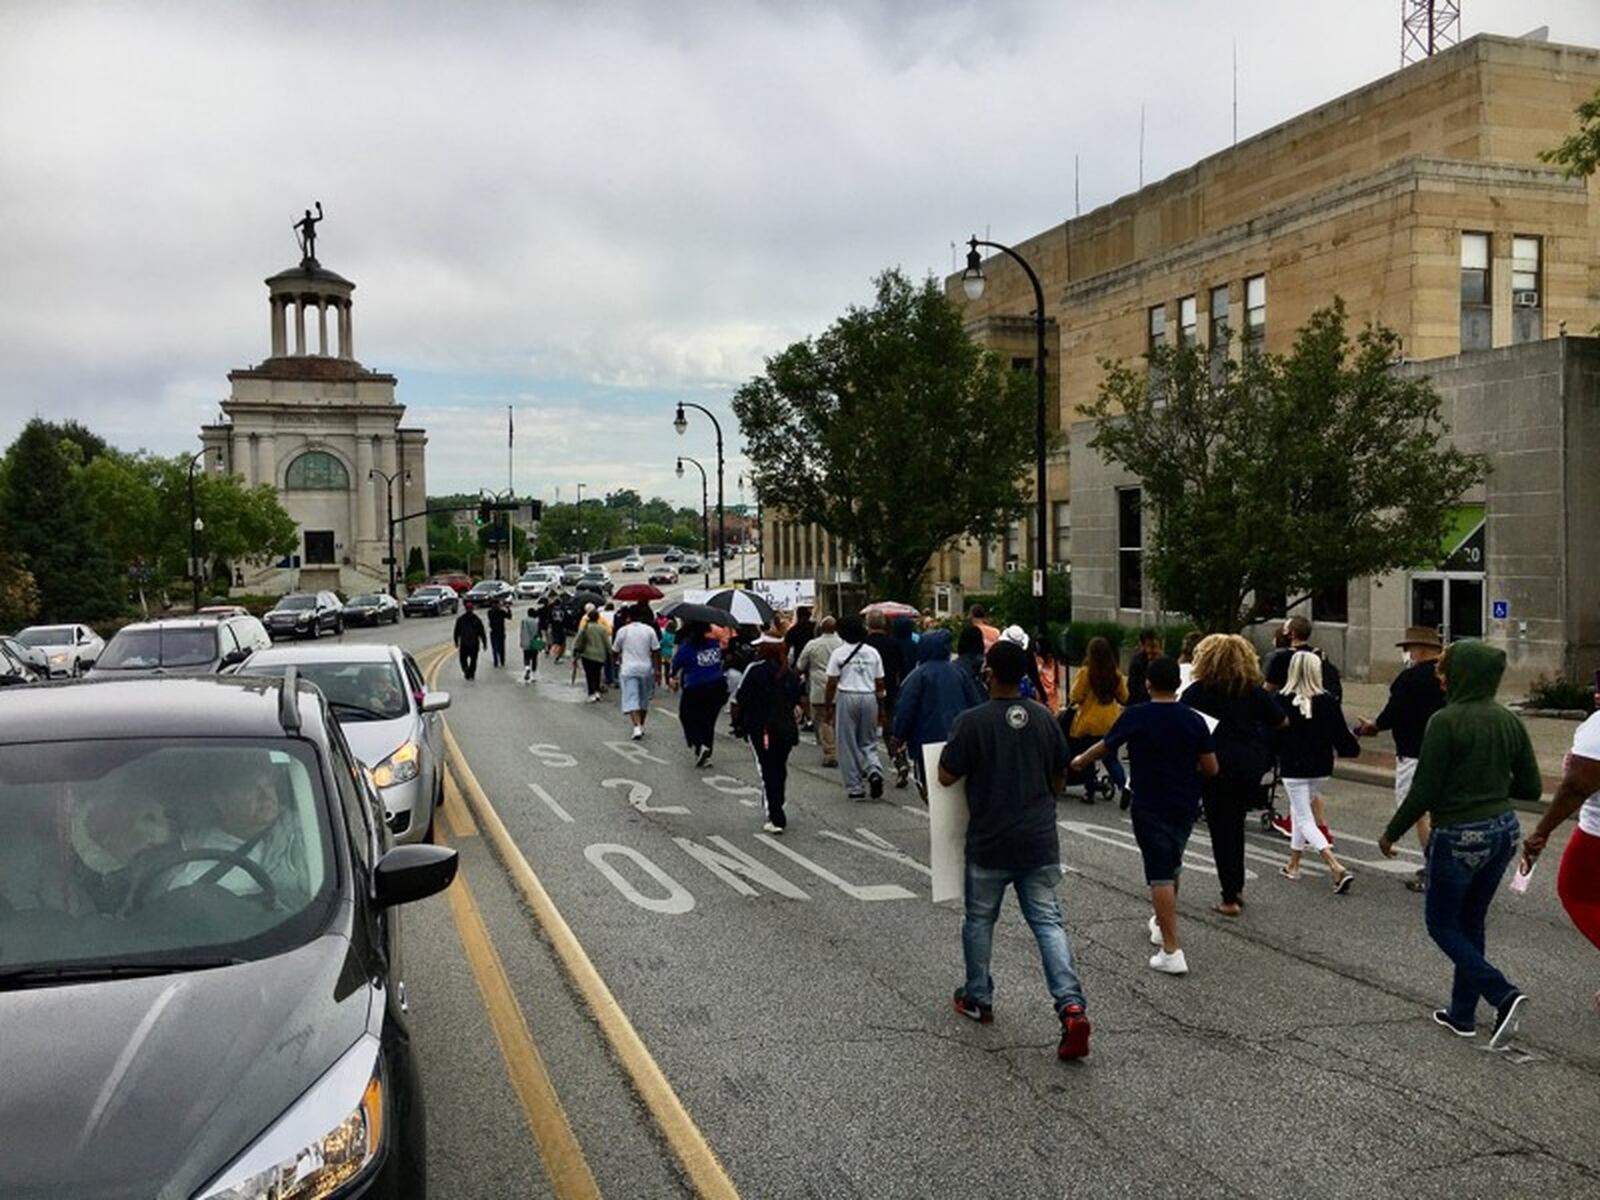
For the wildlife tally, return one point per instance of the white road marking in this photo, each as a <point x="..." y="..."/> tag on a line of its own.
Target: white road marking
<point x="551" y="755"/>
<point x="873" y="844"/>
<point x="732" y="785"/>
<point x="633" y="751"/>
<point x="871" y="891"/>
<point x="639" y="796"/>
<point x="733" y="863"/>
<point x="677" y="900"/>
<point x="1123" y="840"/>
<point x="550" y="801"/>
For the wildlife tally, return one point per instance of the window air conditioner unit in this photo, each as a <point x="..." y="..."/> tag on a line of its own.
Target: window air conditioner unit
<point x="1525" y="299"/>
<point x="1060" y="568"/>
<point x="1011" y="566"/>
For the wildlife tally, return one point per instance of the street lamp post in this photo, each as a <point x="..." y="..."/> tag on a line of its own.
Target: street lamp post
<point x="388" y="495"/>
<point x="972" y="282"/>
<point x="761" y="537"/>
<point x="195" y="526"/>
<point x="680" y="422"/>
<point x="582" y="547"/>
<point x="705" y="515"/>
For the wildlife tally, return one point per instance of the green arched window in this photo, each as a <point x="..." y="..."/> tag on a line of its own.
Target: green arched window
<point x="316" y="471"/>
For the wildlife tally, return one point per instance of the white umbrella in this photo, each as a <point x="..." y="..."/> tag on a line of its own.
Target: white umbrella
<point x="743" y="606"/>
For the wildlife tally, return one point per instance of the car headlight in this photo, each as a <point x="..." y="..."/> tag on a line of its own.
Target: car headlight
<point x="399" y="767"/>
<point x="58" y="659"/>
<point x="330" y="1136"/>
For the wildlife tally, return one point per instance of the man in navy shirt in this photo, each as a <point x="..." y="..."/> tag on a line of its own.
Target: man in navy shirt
<point x="1169" y="749"/>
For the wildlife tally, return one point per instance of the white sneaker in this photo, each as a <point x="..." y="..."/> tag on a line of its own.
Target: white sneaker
<point x="595" y="698"/>
<point x="1155" y="931"/>
<point x="638" y="732"/>
<point x="1170" y="964"/>
<point x="769" y="827"/>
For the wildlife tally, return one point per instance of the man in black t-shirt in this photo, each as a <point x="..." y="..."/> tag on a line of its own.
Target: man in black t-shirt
<point x="1414" y="696"/>
<point x="469" y="638"/>
<point x="1013" y="757"/>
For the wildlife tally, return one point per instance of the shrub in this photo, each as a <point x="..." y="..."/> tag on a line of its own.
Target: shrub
<point x="1560" y="693"/>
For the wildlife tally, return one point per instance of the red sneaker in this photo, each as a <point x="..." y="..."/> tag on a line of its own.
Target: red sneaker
<point x="1284" y="826"/>
<point x="983" y="1014"/>
<point x="1074" y="1033"/>
<point x="1327" y="833"/>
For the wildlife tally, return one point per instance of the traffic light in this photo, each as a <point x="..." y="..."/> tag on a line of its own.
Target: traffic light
<point x="535" y="510"/>
<point x="485" y="511"/>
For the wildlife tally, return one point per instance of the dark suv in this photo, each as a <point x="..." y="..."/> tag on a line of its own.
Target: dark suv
<point x="181" y="646"/>
<point x="199" y="902"/>
<point x="305" y="614"/>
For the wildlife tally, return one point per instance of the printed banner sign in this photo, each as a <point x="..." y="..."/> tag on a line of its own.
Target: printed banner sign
<point x="786" y="594"/>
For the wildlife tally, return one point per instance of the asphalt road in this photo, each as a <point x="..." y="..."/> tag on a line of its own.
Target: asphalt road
<point x="795" y="994"/>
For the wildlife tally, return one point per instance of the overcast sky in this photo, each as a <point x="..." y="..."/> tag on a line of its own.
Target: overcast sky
<point x="587" y="211"/>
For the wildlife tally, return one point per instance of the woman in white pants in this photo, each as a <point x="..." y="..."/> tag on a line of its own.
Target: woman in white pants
<point x="1316" y="732"/>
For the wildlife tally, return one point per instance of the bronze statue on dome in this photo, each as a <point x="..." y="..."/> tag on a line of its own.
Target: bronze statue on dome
<point x="306" y="234"/>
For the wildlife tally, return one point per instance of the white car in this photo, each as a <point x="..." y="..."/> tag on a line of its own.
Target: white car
<point x="69" y="650"/>
<point x="633" y="563"/>
<point x="536" y="581"/>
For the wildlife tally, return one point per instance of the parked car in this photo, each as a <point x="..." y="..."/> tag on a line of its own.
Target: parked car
<point x="69" y="650"/>
<point x="537" y="581"/>
<point x="596" y="579"/>
<point x="198" y="645"/>
<point x="305" y="614"/>
<point x="371" y="608"/>
<point x="673" y="555"/>
<point x="454" y="580"/>
<point x="488" y="591"/>
<point x="13" y="669"/>
<point x="34" y="656"/>
<point x="633" y="563"/>
<point x="571" y="573"/>
<point x="389" y="717"/>
<point x="258" y="975"/>
<point x="664" y="574"/>
<point x="430" y="601"/>
<point x="690" y="564"/>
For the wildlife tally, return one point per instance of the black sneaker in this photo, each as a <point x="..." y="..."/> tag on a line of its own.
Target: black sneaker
<point x="1418" y="882"/>
<point x="703" y="759"/>
<point x="983" y="1014"/>
<point x="1126" y="798"/>
<point x="1441" y="1016"/>
<point x="1075" y="1029"/>
<point x="1506" y="1020"/>
<point x="875" y="785"/>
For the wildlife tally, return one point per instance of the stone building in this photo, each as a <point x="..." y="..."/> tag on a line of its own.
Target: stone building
<point x="324" y="431"/>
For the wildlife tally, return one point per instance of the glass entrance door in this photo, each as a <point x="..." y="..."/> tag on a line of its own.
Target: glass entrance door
<point x="1452" y="604"/>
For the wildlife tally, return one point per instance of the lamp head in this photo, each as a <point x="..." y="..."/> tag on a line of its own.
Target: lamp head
<point x="199" y="525"/>
<point x="972" y="280"/>
<point x="680" y="468"/>
<point x="681" y="423"/>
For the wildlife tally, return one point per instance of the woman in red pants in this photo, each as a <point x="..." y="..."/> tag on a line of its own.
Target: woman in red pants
<point x="1578" y="879"/>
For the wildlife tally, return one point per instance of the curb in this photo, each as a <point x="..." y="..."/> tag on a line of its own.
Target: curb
<point x="1383" y="777"/>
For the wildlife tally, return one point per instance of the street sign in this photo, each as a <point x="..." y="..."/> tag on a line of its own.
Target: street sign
<point x="1501" y="610"/>
<point x="387" y="561"/>
<point x="1038" y="582"/>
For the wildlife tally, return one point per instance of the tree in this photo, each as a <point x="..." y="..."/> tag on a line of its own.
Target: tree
<point x="893" y="431"/>
<point x="19" y="597"/>
<point x="1281" y="476"/>
<point x="1578" y="155"/>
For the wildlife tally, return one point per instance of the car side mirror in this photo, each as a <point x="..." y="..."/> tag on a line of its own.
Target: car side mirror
<point x="414" y="872"/>
<point x="234" y="657"/>
<point x="83" y="639"/>
<point x="434" y="702"/>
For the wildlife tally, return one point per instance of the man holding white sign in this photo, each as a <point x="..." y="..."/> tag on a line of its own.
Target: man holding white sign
<point x="1013" y="757"/>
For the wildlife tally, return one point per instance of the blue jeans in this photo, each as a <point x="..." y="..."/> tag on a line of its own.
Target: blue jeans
<point x="1036" y="894"/>
<point x="1465" y="866"/>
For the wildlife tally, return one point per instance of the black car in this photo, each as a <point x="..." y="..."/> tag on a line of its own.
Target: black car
<point x="431" y="601"/>
<point x="304" y="614"/>
<point x="198" y="948"/>
<point x="372" y="608"/>
<point x="181" y="646"/>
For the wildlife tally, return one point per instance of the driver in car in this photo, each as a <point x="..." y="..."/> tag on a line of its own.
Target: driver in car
<point x="244" y="817"/>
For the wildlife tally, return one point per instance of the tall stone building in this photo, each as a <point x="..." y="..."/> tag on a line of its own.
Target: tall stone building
<point x="324" y="431"/>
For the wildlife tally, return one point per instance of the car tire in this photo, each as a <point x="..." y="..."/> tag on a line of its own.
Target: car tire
<point x="338" y="627"/>
<point x="316" y="630"/>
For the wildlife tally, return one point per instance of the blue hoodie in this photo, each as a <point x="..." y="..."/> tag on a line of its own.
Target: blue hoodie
<point x="934" y="694"/>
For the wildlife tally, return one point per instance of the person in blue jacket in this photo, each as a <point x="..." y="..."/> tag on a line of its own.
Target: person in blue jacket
<point x="933" y="695"/>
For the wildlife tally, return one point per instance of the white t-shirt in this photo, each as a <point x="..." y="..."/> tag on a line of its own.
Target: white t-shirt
<point x="1586" y="744"/>
<point x="861" y="673"/>
<point x="635" y="642"/>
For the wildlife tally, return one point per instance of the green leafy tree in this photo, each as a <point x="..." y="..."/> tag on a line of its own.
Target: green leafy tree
<point x="19" y="596"/>
<point x="1283" y="475"/>
<point x="1578" y="154"/>
<point x="893" y="431"/>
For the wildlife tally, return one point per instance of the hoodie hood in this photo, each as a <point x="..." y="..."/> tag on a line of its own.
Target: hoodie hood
<point x="1474" y="671"/>
<point x="934" y="646"/>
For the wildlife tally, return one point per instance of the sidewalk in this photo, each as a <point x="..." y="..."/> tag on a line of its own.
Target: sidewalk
<point x="1552" y="738"/>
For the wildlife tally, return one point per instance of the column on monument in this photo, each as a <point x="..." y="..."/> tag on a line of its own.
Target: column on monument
<point x="299" y="325"/>
<point x="267" y="461"/>
<point x="280" y="334"/>
<point x="369" y="488"/>
<point x="344" y="328"/>
<point x="349" y="332"/>
<point x="322" y="326"/>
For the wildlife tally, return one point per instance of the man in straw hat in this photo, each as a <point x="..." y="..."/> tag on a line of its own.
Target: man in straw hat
<point x="1414" y="696"/>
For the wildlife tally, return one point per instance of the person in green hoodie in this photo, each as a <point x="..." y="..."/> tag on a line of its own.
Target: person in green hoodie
<point x="1476" y="758"/>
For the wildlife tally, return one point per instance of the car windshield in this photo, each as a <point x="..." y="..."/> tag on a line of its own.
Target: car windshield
<point x="369" y="600"/>
<point x="356" y="691"/>
<point x="48" y="635"/>
<point x="122" y="856"/>
<point x="295" y="602"/>
<point x="144" y="649"/>
<point x="430" y="592"/>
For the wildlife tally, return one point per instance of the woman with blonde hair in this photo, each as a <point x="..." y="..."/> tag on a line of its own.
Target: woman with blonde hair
<point x="1227" y="688"/>
<point x="1317" y="731"/>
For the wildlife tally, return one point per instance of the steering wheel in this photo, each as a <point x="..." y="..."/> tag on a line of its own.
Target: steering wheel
<point x="268" y="896"/>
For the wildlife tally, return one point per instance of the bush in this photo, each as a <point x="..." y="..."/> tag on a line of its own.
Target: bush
<point x="1560" y="693"/>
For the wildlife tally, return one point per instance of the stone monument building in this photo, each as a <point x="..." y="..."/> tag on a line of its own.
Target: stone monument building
<point x="324" y="431"/>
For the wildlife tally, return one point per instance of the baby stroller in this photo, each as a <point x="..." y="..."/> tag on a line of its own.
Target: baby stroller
<point x="1271" y="788"/>
<point x="1094" y="781"/>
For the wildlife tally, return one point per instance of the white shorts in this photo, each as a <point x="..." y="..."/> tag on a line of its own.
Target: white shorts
<point x="1405" y="770"/>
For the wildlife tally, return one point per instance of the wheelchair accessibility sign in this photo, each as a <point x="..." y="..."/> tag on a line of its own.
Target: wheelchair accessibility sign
<point x="1500" y="609"/>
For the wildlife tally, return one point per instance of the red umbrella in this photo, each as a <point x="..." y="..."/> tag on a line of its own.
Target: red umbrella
<point x="638" y="591"/>
<point x="890" y="609"/>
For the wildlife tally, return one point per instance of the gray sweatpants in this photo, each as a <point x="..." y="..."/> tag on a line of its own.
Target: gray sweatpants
<point x="856" y="720"/>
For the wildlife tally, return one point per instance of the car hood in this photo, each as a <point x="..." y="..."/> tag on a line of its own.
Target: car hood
<point x="149" y="1087"/>
<point x="374" y="741"/>
<point x="289" y="614"/>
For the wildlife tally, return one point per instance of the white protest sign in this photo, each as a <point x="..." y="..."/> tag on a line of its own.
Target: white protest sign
<point x="947" y="820"/>
<point x="786" y="594"/>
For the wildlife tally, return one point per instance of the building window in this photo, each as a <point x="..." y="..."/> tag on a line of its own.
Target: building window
<point x="1013" y="550"/>
<point x="1219" y="320"/>
<point x="1063" y="516"/>
<point x="1255" y="311"/>
<point x="319" y="546"/>
<point x="987" y="555"/>
<point x="1331" y="605"/>
<point x="1527" y="298"/>
<point x="1158" y="326"/>
<point x="1130" y="548"/>
<point x="316" y="471"/>
<point x="1477" y="320"/>
<point x="1018" y="363"/>
<point x="1188" y="323"/>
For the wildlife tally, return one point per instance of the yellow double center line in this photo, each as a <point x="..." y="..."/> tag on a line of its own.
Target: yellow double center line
<point x="558" y="1146"/>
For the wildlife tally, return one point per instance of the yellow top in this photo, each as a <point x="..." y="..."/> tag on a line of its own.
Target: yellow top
<point x="1095" y="718"/>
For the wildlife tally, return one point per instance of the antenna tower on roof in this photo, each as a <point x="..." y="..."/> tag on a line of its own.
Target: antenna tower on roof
<point x="1427" y="26"/>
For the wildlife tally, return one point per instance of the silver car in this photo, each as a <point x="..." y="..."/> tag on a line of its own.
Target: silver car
<point x="69" y="650"/>
<point x="389" y="718"/>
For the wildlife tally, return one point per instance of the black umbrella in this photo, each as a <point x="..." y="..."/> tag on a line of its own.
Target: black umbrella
<point x="573" y="604"/>
<point x="702" y="613"/>
<point x="746" y="607"/>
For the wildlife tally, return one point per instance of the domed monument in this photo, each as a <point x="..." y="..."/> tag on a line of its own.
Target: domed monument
<point x="325" y="432"/>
